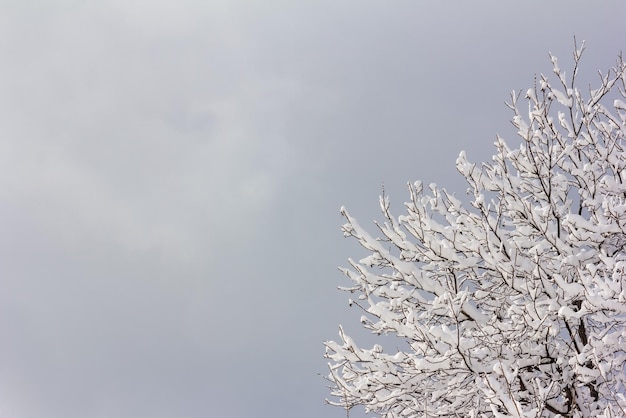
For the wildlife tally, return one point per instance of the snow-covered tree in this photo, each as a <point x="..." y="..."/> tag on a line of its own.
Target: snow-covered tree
<point x="513" y="305"/>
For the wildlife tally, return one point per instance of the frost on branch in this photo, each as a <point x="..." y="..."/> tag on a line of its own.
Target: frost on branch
<point x="513" y="305"/>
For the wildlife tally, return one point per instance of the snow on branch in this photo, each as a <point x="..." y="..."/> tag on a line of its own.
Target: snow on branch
<point x="513" y="305"/>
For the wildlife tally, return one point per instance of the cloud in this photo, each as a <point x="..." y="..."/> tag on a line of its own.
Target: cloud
<point x="139" y="126"/>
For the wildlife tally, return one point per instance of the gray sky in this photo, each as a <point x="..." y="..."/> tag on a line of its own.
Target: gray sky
<point x="171" y="175"/>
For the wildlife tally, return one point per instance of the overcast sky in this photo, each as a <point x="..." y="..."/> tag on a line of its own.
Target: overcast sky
<point x="171" y="174"/>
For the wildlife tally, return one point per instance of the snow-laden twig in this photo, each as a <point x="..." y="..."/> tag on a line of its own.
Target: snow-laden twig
<point x="513" y="305"/>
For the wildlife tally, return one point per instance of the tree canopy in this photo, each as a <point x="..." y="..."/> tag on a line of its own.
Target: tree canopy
<point x="513" y="304"/>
